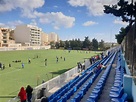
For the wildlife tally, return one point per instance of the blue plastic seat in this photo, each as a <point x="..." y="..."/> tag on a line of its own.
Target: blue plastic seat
<point x="68" y="94"/>
<point x="72" y="100"/>
<point x="96" y="91"/>
<point x="118" y="81"/>
<point x="63" y="99"/>
<point x="122" y="99"/>
<point x="116" y="94"/>
<point x="81" y="94"/>
<point x="118" y="84"/>
<point x="77" y="98"/>
<point x="94" y="96"/>
<point x="99" y="83"/>
<point x="90" y="100"/>
<point x="98" y="87"/>
<point x="115" y="89"/>
<point x="84" y="90"/>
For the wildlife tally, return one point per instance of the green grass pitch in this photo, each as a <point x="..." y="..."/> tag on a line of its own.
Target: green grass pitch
<point x="14" y="77"/>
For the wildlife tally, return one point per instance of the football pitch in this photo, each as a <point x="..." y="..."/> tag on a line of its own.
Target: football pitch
<point x="14" y="77"/>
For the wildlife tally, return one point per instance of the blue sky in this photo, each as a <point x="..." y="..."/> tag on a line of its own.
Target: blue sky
<point x="70" y="19"/>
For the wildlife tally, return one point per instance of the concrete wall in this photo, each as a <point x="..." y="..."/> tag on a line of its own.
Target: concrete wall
<point x="22" y="34"/>
<point x="129" y="85"/>
<point x="57" y="81"/>
<point x="127" y="82"/>
<point x="134" y="91"/>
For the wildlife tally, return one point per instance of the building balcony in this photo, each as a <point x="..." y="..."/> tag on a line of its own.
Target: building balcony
<point x="5" y="34"/>
<point x="5" y="45"/>
<point x="5" y="39"/>
<point x="4" y="31"/>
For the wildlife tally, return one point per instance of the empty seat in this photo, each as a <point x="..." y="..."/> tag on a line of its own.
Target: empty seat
<point x="116" y="94"/>
<point x="122" y="99"/>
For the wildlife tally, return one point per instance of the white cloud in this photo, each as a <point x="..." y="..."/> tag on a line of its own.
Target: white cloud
<point x="15" y="23"/>
<point x="26" y="6"/>
<point x="117" y="21"/>
<point x="57" y="19"/>
<point x="89" y="23"/>
<point x="95" y="7"/>
<point x="12" y="24"/>
<point x="33" y="22"/>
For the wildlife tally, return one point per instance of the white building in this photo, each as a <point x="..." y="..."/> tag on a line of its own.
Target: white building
<point x="44" y="39"/>
<point x="53" y="37"/>
<point x="28" y="34"/>
<point x="6" y="38"/>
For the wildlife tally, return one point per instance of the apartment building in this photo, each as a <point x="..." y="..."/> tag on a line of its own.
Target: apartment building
<point x="1" y="34"/>
<point x="5" y="37"/>
<point x="28" y="35"/>
<point x="53" y="37"/>
<point x="44" y="39"/>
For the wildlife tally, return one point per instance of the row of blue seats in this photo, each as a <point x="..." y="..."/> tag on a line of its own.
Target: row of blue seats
<point x="94" y="96"/>
<point x="85" y="88"/>
<point x="70" y="84"/>
<point x="57" y="92"/>
<point x="61" y="92"/>
<point x="87" y="85"/>
<point x="64" y="89"/>
<point x="117" y="92"/>
<point x="104" y="61"/>
<point x="75" y="88"/>
<point x="75" y="84"/>
<point x="57" y="95"/>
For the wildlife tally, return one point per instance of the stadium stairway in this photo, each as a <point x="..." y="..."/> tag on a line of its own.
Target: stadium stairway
<point x="117" y="91"/>
<point x="106" y="90"/>
<point x="108" y="85"/>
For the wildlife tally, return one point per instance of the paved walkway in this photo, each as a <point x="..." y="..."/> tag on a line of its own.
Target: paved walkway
<point x="86" y="96"/>
<point x="106" y="90"/>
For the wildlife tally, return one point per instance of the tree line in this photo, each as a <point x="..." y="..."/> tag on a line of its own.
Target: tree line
<point x="77" y="44"/>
